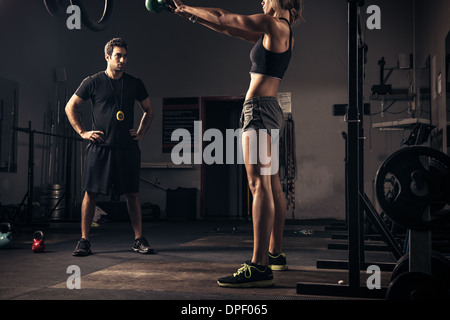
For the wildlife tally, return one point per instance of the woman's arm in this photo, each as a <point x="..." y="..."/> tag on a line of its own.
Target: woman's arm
<point x="230" y="31"/>
<point x="245" y="27"/>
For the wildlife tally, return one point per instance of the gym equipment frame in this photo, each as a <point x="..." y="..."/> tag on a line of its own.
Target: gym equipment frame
<point x="356" y="200"/>
<point x="29" y="195"/>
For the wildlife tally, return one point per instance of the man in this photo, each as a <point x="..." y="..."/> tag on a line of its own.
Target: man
<point x="112" y="157"/>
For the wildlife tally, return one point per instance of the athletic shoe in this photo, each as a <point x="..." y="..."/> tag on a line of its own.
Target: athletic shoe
<point x="250" y="275"/>
<point x="277" y="262"/>
<point x="141" y="245"/>
<point x="82" y="249"/>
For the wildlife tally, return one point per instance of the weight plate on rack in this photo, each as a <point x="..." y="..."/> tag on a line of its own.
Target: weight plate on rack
<point x="440" y="267"/>
<point x="416" y="286"/>
<point x="412" y="181"/>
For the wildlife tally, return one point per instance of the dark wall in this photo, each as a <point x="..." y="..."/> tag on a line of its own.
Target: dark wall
<point x="176" y="58"/>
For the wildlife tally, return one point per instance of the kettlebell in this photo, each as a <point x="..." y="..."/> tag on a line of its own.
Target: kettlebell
<point x="157" y="6"/>
<point x="38" y="245"/>
<point x="6" y="239"/>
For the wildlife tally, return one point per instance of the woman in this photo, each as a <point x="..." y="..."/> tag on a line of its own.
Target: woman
<point x="272" y="35"/>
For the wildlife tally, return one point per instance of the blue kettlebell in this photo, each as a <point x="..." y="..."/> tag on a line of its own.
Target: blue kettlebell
<point x="6" y="239"/>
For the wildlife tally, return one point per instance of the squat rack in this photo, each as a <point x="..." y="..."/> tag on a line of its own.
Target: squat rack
<point x="29" y="195"/>
<point x="356" y="199"/>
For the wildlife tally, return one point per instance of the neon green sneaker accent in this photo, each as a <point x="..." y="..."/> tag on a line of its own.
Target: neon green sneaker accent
<point x="249" y="275"/>
<point x="278" y="262"/>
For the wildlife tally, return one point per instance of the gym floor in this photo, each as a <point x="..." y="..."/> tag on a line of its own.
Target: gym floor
<point x="190" y="257"/>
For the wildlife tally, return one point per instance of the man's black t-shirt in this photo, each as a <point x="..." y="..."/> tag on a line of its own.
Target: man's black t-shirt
<point x="108" y="96"/>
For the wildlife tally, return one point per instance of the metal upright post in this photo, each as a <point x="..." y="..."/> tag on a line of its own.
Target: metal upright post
<point x="68" y="204"/>
<point x="30" y="173"/>
<point x="353" y="148"/>
<point x="361" y="56"/>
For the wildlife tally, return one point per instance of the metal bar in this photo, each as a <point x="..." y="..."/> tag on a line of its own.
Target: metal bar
<point x="68" y="205"/>
<point x="30" y="174"/>
<point x="28" y="130"/>
<point x="420" y="244"/>
<point x="353" y="148"/>
<point x="343" y="265"/>
<point x="361" y="137"/>
<point x="383" y="229"/>
<point x="340" y="290"/>
<point x="352" y="176"/>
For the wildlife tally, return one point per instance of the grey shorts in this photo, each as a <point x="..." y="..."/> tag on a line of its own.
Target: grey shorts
<point x="262" y="113"/>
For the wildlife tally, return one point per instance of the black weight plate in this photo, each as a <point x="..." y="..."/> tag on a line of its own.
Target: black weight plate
<point x="402" y="266"/>
<point x="401" y="204"/>
<point x="416" y="286"/>
<point x="440" y="267"/>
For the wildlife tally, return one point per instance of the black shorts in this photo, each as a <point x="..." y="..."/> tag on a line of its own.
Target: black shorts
<point x="107" y="167"/>
<point x="262" y="113"/>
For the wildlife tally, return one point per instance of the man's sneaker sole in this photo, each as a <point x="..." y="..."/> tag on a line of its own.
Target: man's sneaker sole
<point x="82" y="249"/>
<point x="142" y="251"/>
<point x="141" y="246"/>
<point x="81" y="254"/>
<point x="252" y="284"/>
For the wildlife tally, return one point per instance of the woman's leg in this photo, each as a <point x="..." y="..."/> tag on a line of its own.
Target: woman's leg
<point x="260" y="184"/>
<point x="257" y="272"/>
<point x="276" y="239"/>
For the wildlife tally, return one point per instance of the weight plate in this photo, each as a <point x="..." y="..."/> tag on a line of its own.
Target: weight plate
<point x="412" y="180"/>
<point x="416" y="286"/>
<point x="440" y="267"/>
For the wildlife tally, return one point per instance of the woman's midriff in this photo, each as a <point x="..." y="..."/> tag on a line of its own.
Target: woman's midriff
<point x="262" y="86"/>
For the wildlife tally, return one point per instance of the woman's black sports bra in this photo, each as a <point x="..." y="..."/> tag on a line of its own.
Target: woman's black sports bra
<point x="270" y="63"/>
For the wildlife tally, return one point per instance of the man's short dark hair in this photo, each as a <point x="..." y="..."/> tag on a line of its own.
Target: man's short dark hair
<point x="116" y="42"/>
